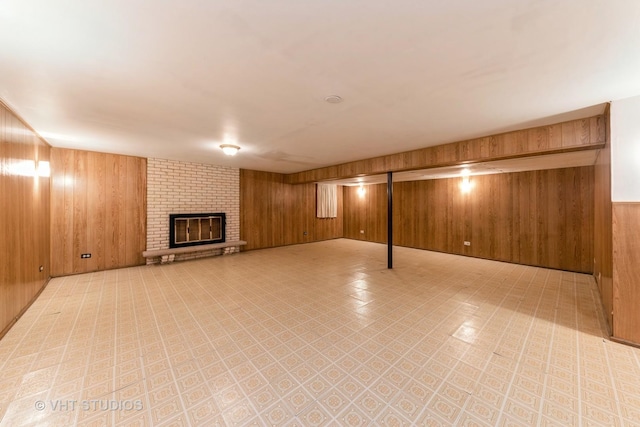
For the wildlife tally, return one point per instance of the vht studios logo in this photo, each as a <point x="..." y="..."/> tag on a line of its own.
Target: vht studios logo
<point x="89" y="405"/>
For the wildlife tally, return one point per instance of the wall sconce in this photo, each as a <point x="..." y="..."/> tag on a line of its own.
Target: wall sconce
<point x="361" y="191"/>
<point x="466" y="185"/>
<point x="229" y="149"/>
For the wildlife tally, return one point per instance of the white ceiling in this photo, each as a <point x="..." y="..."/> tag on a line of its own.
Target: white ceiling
<point x="170" y="79"/>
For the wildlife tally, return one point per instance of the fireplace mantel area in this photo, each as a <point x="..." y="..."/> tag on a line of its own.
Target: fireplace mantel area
<point x="199" y="202"/>
<point x="192" y="233"/>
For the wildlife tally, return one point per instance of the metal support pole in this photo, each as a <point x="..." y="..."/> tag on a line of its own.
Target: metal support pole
<point x="389" y="220"/>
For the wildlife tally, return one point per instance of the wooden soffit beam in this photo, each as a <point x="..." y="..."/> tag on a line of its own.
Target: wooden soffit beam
<point x="574" y="135"/>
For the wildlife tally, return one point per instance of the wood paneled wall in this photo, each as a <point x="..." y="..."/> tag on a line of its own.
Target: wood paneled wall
<point x="24" y="217"/>
<point x="542" y="218"/>
<point x="261" y="209"/>
<point x="98" y="207"/>
<point x="300" y="216"/>
<point x="568" y="136"/>
<point x="273" y="213"/>
<point x="602" y="237"/>
<point x="365" y="216"/>
<point x="626" y="271"/>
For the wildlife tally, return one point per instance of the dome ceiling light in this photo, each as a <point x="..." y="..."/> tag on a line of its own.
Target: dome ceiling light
<point x="230" y="149"/>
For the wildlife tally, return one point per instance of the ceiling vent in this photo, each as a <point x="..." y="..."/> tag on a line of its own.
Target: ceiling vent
<point x="333" y="99"/>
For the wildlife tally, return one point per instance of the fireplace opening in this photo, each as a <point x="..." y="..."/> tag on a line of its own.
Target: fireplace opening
<point x="196" y="229"/>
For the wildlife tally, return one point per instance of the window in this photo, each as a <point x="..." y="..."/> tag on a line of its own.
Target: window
<point x="327" y="201"/>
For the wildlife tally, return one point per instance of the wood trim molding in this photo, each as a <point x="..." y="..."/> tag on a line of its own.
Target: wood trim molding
<point x="625" y="342"/>
<point x="575" y="135"/>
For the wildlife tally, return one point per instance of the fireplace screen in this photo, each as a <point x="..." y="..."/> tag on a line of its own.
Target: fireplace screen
<point x="196" y="229"/>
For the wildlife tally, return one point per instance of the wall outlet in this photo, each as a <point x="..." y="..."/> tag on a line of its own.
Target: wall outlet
<point x="361" y="231"/>
<point x="467" y="243"/>
<point x="85" y="255"/>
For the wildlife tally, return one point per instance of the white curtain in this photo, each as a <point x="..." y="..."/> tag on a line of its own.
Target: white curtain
<point x="327" y="201"/>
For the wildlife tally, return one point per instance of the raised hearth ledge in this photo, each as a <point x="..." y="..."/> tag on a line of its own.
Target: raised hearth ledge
<point x="169" y="254"/>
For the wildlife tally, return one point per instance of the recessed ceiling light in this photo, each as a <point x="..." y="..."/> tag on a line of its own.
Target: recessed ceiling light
<point x="333" y="99"/>
<point x="229" y="149"/>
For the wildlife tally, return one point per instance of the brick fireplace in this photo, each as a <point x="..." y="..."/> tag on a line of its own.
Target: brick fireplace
<point x="194" y="229"/>
<point x="175" y="187"/>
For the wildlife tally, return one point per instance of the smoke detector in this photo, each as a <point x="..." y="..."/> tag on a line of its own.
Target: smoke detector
<point x="333" y="99"/>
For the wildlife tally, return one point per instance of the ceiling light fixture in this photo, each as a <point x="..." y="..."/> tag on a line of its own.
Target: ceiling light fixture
<point x="229" y="149"/>
<point x="333" y="99"/>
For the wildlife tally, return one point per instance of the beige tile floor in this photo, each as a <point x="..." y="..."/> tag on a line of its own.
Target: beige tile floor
<point x="319" y="334"/>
